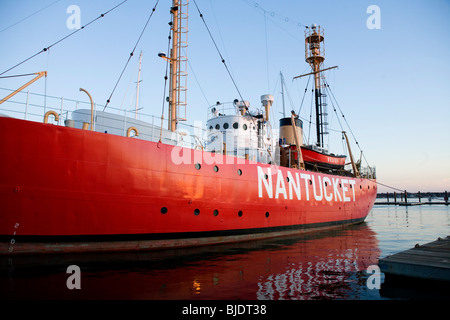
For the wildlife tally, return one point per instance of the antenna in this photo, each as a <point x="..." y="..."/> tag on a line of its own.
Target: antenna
<point x="137" y="86"/>
<point x="282" y="93"/>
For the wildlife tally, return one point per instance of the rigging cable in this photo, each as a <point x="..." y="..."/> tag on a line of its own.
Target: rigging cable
<point x="359" y="147"/>
<point x="165" y="87"/>
<point x="131" y="54"/>
<point x="64" y="38"/>
<point x="220" y="34"/>
<point x="343" y="116"/>
<point x="30" y="15"/>
<point x="274" y="15"/>
<point x="304" y="94"/>
<point x="267" y="53"/>
<point x="310" y="114"/>
<point x="218" y="51"/>
<point x="385" y="185"/>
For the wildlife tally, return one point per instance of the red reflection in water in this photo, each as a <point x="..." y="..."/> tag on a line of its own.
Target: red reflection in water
<point x="325" y="265"/>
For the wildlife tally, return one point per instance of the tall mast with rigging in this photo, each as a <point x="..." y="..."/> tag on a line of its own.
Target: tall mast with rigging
<point x="314" y="55"/>
<point x="178" y="63"/>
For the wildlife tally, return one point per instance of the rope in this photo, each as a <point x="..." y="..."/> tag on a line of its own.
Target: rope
<point x="131" y="54"/>
<point x="267" y="52"/>
<point x="304" y="94"/>
<point x="64" y="38"/>
<point x="351" y="131"/>
<point x="327" y="88"/>
<point x="165" y="86"/>
<point x="343" y="116"/>
<point x="18" y="75"/>
<point x="218" y="51"/>
<point x="273" y="15"/>
<point x="226" y="67"/>
<point x="385" y="185"/>
<point x="29" y="16"/>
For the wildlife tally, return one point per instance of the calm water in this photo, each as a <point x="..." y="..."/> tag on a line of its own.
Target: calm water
<point x="325" y="265"/>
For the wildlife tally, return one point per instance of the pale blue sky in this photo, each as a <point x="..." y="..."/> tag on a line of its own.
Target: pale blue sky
<point x="392" y="84"/>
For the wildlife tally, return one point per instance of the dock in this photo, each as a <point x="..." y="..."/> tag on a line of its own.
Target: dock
<point x="407" y="204"/>
<point x="404" y="196"/>
<point x="430" y="261"/>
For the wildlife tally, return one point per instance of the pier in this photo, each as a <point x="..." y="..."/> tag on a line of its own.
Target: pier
<point x="404" y="198"/>
<point x="430" y="261"/>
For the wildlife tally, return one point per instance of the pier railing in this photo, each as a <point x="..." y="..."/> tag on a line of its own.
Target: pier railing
<point x="412" y="199"/>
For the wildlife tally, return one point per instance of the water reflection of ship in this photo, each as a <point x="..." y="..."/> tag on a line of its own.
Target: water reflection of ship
<point x="325" y="265"/>
<point x="326" y="268"/>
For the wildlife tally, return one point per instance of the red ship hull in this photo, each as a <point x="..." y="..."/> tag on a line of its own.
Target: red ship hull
<point x="71" y="190"/>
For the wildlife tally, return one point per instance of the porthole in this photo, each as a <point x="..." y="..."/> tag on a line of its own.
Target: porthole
<point x="217" y="126"/>
<point x="240" y="213"/>
<point x="210" y="128"/>
<point x="244" y="127"/>
<point x="197" y="166"/>
<point x="240" y="172"/>
<point x="163" y="210"/>
<point x="326" y="184"/>
<point x="216" y="168"/>
<point x="225" y="125"/>
<point x="197" y="212"/>
<point x="266" y="176"/>
<point x="287" y="179"/>
<point x="360" y="187"/>
<point x="216" y="213"/>
<point x="267" y="214"/>
<point x="310" y="182"/>
<point x="368" y="187"/>
<point x="235" y="125"/>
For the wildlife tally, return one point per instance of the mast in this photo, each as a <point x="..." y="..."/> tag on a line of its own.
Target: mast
<point x="178" y="62"/>
<point x="314" y="55"/>
<point x="173" y="68"/>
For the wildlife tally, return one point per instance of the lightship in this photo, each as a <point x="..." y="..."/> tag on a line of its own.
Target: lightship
<point x="111" y="183"/>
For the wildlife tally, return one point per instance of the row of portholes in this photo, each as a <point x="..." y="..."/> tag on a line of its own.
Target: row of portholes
<point x="226" y="126"/>
<point x="164" y="210"/>
<point x="198" y="166"/>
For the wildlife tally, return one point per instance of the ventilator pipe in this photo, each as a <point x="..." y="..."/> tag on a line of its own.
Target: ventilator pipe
<point x="92" y="109"/>
<point x="130" y="129"/>
<point x="267" y="101"/>
<point x="51" y="112"/>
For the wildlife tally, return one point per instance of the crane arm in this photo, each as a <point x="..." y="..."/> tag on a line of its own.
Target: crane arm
<point x="39" y="75"/>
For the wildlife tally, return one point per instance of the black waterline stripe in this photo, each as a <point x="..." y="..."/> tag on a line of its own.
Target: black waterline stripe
<point x="174" y="235"/>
